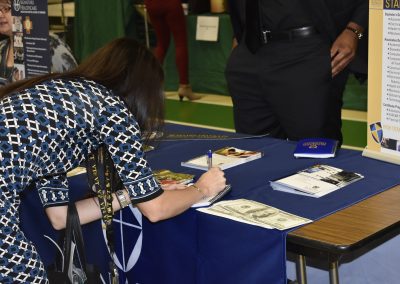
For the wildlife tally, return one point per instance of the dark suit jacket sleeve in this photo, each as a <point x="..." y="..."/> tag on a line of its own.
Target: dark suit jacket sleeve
<point x="237" y="25"/>
<point x="360" y="15"/>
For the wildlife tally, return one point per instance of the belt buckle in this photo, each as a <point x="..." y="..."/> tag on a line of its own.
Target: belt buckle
<point x="265" y="36"/>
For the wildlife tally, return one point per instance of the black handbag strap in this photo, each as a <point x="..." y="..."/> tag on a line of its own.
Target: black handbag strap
<point x="73" y="233"/>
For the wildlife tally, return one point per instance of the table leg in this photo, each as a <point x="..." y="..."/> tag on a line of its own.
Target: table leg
<point x="301" y="269"/>
<point x="334" y="272"/>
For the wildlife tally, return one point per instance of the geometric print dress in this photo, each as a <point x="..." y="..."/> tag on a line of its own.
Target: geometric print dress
<point x="46" y="131"/>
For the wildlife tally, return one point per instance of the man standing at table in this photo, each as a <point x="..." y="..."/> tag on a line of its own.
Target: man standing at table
<point x="287" y="74"/>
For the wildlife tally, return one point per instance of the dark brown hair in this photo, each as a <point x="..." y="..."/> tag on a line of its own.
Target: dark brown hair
<point x="126" y="67"/>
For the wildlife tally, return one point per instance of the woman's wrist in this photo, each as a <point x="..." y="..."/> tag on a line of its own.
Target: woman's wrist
<point x="356" y="29"/>
<point x="199" y="190"/>
<point x="123" y="198"/>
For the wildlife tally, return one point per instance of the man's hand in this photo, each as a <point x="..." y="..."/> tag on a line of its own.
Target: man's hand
<point x="344" y="49"/>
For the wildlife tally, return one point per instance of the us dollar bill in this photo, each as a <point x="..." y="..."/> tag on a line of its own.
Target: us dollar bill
<point x="255" y="213"/>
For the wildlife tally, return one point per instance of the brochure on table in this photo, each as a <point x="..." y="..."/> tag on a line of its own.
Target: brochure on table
<point x="224" y="158"/>
<point x="316" y="181"/>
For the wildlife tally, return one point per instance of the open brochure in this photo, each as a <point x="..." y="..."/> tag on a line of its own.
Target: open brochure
<point x="210" y="200"/>
<point x="316" y="181"/>
<point x="148" y="148"/>
<point x="76" y="171"/>
<point x="224" y="158"/>
<point x="165" y="177"/>
<point x="255" y="213"/>
<point x="168" y="177"/>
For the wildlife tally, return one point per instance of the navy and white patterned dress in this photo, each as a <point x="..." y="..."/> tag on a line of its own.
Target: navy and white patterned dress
<point x="46" y="131"/>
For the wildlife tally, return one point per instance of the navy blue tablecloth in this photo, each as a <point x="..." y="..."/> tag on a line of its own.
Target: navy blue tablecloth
<point x="199" y="248"/>
<point x="251" y="180"/>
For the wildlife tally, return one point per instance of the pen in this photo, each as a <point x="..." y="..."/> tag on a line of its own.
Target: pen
<point x="209" y="159"/>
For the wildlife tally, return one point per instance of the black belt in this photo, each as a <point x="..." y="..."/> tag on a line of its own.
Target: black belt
<point x="303" y="32"/>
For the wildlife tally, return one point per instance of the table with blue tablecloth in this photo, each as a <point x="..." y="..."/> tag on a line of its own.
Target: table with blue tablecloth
<point x="200" y="248"/>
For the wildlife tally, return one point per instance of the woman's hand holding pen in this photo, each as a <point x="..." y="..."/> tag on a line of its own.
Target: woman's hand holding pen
<point x="211" y="182"/>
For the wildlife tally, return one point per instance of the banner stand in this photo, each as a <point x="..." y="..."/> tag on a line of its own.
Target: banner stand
<point x="381" y="156"/>
<point x="383" y="137"/>
<point x="30" y="38"/>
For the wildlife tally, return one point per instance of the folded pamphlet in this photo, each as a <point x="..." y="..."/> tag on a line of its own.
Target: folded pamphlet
<point x="316" y="181"/>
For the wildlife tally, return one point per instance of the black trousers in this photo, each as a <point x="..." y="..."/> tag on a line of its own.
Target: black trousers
<point x="286" y="89"/>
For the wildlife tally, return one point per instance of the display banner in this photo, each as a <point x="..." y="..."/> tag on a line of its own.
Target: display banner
<point x="383" y="141"/>
<point x="31" y="38"/>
